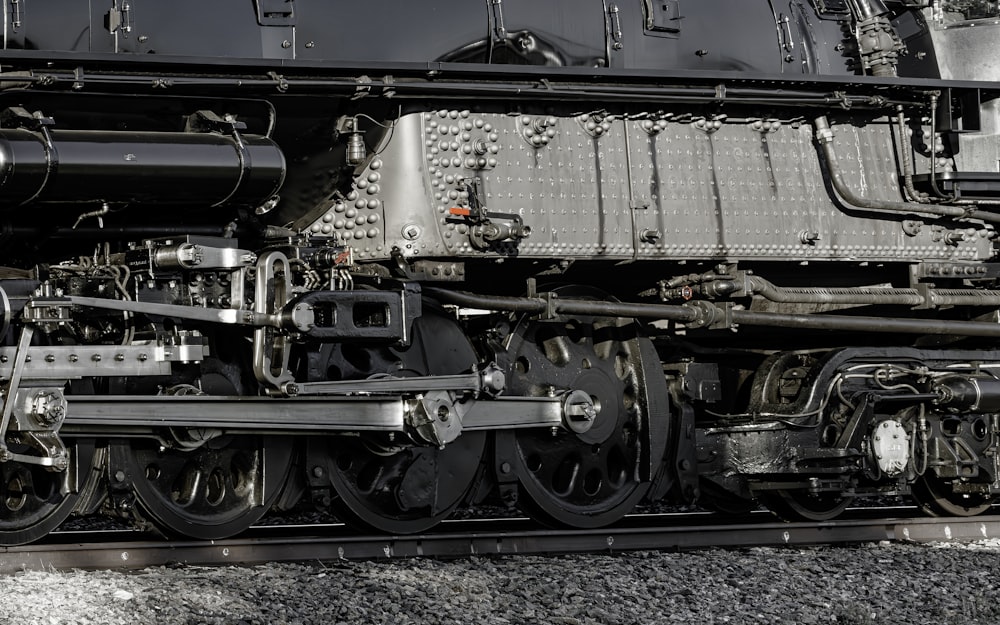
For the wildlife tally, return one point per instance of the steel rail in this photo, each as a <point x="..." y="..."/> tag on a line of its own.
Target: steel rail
<point x="319" y="543"/>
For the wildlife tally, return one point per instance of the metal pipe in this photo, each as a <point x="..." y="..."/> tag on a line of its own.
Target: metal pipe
<point x="857" y="295"/>
<point x="877" y="325"/>
<point x="934" y="152"/>
<point x="690" y="314"/>
<point x="873" y="295"/>
<point x="911" y="190"/>
<point x="538" y="305"/>
<point x="824" y="136"/>
<point x="867" y="9"/>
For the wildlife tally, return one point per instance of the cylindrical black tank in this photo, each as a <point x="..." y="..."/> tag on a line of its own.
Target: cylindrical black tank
<point x="83" y="166"/>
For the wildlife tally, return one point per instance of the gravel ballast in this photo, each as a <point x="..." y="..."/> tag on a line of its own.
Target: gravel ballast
<point x="886" y="583"/>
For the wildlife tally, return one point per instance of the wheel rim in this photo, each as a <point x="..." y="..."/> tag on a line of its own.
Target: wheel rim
<point x="937" y="498"/>
<point x="34" y="500"/>
<point x="589" y="479"/>
<point x="215" y="491"/>
<point x="401" y="490"/>
<point x="797" y="505"/>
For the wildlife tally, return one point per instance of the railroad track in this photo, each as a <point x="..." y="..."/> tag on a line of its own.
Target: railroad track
<point x="133" y="550"/>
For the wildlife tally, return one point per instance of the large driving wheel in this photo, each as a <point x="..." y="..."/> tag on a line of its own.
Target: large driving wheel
<point x="592" y="478"/>
<point x="399" y="485"/>
<point x="35" y="500"/>
<point x="937" y="497"/>
<point x="213" y="491"/>
<point x="405" y="489"/>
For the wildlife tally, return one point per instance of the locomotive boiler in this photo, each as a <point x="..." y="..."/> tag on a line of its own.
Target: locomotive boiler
<point x="395" y="258"/>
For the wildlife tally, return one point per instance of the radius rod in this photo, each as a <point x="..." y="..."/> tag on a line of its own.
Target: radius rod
<point x="701" y="314"/>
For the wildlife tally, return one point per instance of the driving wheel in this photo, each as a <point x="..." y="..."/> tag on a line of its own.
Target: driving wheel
<point x="594" y="477"/>
<point x="212" y="491"/>
<point x="395" y="483"/>
<point x="35" y="500"/>
<point x="937" y="497"/>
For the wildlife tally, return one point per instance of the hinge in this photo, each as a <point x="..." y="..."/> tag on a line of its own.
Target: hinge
<point x="119" y="19"/>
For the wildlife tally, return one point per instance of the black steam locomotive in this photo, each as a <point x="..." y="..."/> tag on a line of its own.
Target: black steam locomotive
<point x="394" y="258"/>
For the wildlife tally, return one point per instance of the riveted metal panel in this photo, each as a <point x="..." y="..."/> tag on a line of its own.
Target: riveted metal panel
<point x="647" y="187"/>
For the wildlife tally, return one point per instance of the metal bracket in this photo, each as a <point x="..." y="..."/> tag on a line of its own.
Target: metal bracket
<point x="56" y="456"/>
<point x="54" y="452"/>
<point x="496" y="13"/>
<point x="142" y="358"/>
<point x="686" y="460"/>
<point x="364" y="315"/>
<point x="271" y="348"/>
<point x="119" y="19"/>
<point x="712" y="316"/>
<point x="20" y="357"/>
<point x="785" y="36"/>
<point x="275" y="12"/>
<point x="437" y="416"/>
<point x="615" y="27"/>
<point x="662" y="16"/>
<point x="15" y="14"/>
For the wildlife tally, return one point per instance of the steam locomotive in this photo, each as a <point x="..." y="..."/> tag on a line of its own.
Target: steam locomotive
<point x="391" y="258"/>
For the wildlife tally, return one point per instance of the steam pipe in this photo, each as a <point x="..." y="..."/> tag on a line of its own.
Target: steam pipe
<point x="867" y="324"/>
<point x="537" y="305"/>
<point x="911" y="190"/>
<point x="867" y="9"/>
<point x="878" y="43"/>
<point x="873" y="296"/>
<point x="704" y="315"/>
<point x="824" y="136"/>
